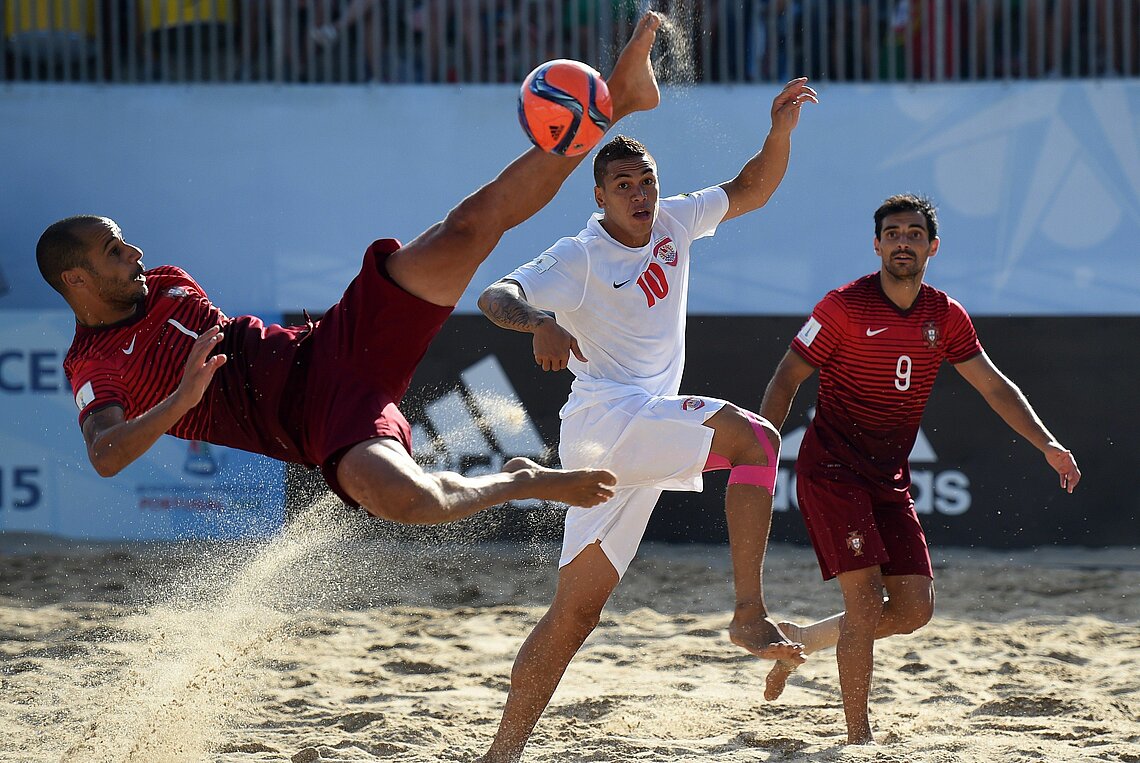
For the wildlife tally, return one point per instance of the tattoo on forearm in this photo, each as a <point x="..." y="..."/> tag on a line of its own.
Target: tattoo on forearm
<point x="512" y="314"/>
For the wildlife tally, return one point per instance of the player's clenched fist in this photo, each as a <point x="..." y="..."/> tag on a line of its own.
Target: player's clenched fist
<point x="553" y="345"/>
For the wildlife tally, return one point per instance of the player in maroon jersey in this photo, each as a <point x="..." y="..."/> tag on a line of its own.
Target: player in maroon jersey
<point x="878" y="343"/>
<point x="153" y="355"/>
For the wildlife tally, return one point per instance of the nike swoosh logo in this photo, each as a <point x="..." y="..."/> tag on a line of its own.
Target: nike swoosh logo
<point x="876" y="332"/>
<point x="623" y="283"/>
<point x="130" y="347"/>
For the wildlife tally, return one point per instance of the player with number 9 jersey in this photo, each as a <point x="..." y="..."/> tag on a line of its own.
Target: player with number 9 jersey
<point x="878" y="344"/>
<point x="877" y="365"/>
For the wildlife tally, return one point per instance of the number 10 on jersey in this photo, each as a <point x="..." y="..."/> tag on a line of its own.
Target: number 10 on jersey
<point x="653" y="283"/>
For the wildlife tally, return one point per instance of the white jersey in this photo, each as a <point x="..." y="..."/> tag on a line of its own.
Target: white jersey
<point x="625" y="306"/>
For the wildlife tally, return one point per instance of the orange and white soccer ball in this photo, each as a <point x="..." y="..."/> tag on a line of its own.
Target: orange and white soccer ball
<point x="565" y="107"/>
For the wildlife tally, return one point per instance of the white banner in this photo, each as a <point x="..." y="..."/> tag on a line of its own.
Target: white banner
<point x="269" y="195"/>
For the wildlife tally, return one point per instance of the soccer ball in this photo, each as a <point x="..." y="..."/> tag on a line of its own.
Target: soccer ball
<point x="565" y="107"/>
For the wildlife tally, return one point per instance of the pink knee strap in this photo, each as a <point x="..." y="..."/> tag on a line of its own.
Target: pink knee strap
<point x="758" y="427"/>
<point x="750" y="474"/>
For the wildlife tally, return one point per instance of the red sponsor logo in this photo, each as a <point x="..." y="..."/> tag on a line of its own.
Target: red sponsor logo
<point x="666" y="251"/>
<point x="692" y="404"/>
<point x="855" y="542"/>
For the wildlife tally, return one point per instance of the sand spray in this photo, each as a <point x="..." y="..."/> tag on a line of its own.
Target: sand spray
<point x="174" y="700"/>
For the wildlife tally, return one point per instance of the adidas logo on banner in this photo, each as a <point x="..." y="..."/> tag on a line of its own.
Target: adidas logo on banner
<point x="477" y="426"/>
<point x="945" y="491"/>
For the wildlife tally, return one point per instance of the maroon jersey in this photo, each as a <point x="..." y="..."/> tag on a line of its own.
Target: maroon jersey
<point x="877" y="365"/>
<point x="139" y="362"/>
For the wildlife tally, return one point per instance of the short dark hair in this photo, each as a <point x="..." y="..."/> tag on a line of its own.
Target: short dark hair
<point x="620" y="147"/>
<point x="908" y="202"/>
<point x="61" y="248"/>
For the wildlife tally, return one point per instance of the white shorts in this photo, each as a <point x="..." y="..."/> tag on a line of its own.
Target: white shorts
<point x="651" y="444"/>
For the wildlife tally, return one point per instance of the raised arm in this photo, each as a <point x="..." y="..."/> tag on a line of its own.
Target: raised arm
<point x="114" y="442"/>
<point x="1011" y="404"/>
<point x="785" y="383"/>
<point x="504" y="303"/>
<point x="762" y="174"/>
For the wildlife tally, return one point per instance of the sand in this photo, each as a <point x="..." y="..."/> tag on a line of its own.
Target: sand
<point x="346" y="639"/>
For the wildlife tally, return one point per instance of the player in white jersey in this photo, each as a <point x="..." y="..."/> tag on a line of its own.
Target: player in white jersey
<point x="618" y="292"/>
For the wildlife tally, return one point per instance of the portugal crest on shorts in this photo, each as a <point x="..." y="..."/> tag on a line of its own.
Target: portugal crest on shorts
<point x="692" y="404"/>
<point x="666" y="251"/>
<point x="855" y="542"/>
<point x="930" y="333"/>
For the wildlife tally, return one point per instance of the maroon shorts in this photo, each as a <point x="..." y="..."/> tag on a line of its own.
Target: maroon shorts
<point x="852" y="528"/>
<point x="364" y="351"/>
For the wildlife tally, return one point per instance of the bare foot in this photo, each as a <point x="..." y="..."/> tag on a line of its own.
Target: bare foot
<point x="577" y="487"/>
<point x="759" y="635"/>
<point x="777" y="679"/>
<point x="632" y="84"/>
<point x="778" y="676"/>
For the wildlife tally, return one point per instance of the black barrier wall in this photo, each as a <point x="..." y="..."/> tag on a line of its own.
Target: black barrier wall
<point x="977" y="483"/>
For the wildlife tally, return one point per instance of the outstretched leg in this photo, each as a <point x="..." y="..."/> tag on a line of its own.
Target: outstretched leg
<point x="381" y="476"/>
<point x="748" y="508"/>
<point x="438" y="265"/>
<point x="584" y="586"/>
<point x="908" y="606"/>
